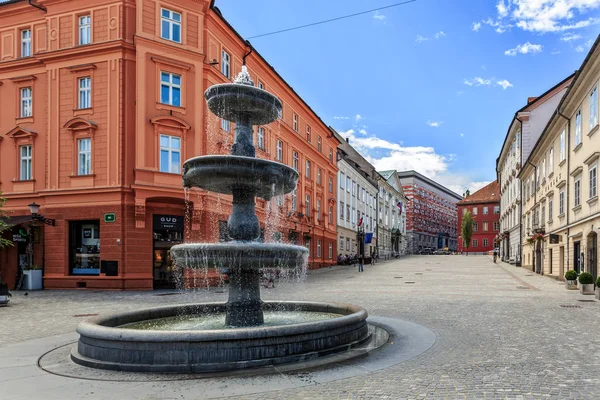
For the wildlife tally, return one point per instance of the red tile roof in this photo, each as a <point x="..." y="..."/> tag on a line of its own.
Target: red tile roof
<point x="487" y="194"/>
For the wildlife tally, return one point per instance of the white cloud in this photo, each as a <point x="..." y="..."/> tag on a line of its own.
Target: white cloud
<point x="357" y="118"/>
<point x="435" y="124"/>
<point x="362" y="132"/>
<point x="542" y="16"/>
<point x="570" y="36"/>
<point x="579" y="49"/>
<point x="440" y="34"/>
<point x="525" y="48"/>
<point x="378" y="16"/>
<point x="462" y="135"/>
<point x="555" y="52"/>
<point x="436" y="36"/>
<point x="504" y="83"/>
<point x="341" y="117"/>
<point x="476" y="26"/>
<point x="421" y="39"/>
<point x="477" y="81"/>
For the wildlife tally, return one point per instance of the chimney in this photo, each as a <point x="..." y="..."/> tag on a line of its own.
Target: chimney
<point x="347" y="140"/>
<point x="531" y="100"/>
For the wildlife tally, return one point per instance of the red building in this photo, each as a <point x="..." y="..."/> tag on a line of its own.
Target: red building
<point x="484" y="205"/>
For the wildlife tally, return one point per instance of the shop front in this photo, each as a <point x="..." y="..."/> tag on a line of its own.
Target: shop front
<point x="25" y="253"/>
<point x="167" y="231"/>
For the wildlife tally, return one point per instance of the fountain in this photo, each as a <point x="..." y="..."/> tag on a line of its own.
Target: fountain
<point x="234" y="335"/>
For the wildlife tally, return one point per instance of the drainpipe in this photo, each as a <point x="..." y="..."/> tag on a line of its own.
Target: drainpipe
<point x="250" y="50"/>
<point x="44" y="9"/>
<point x="520" y="192"/>
<point x="567" y="150"/>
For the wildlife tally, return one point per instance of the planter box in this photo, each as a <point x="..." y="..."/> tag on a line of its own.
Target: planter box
<point x="4" y="297"/>
<point x="597" y="293"/>
<point x="33" y="279"/>
<point x="587" y="288"/>
<point x="571" y="285"/>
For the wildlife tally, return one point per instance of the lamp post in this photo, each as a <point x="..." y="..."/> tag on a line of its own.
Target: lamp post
<point x="36" y="216"/>
<point x="360" y="235"/>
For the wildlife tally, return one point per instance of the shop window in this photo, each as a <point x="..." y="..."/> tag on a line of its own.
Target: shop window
<point x="84" y="247"/>
<point x="167" y="231"/>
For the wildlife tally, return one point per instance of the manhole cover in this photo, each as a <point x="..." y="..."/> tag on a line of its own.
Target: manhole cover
<point x="408" y="282"/>
<point x="84" y="315"/>
<point x="570" y="306"/>
<point x="522" y="287"/>
<point x="587" y="301"/>
<point x="167" y="294"/>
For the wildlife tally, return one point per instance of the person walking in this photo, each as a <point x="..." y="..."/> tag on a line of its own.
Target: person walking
<point x="360" y="264"/>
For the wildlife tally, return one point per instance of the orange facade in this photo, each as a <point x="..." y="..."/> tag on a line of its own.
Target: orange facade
<point x="101" y="103"/>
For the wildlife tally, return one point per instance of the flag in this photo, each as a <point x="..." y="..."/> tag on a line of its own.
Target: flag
<point x="399" y="205"/>
<point x="368" y="237"/>
<point x="360" y="221"/>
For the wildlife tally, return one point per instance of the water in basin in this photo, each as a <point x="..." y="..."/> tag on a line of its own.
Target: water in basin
<point x="216" y="321"/>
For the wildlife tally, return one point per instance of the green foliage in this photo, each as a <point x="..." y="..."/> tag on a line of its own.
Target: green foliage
<point x="570" y="275"/>
<point x="3" y="225"/>
<point x="585" y="278"/>
<point x="33" y="268"/>
<point x="598" y="282"/>
<point x="467" y="229"/>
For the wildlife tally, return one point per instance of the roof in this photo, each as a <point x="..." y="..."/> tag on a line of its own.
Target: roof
<point x="387" y="174"/>
<point x="412" y="173"/>
<point x="487" y="194"/>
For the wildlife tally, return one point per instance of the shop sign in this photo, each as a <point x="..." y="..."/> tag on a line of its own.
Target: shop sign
<point x="554" y="239"/>
<point x="110" y="217"/>
<point x="169" y="222"/>
<point x="21" y="236"/>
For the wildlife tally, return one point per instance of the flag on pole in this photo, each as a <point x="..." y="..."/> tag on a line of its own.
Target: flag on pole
<point x="399" y="205"/>
<point x="360" y="221"/>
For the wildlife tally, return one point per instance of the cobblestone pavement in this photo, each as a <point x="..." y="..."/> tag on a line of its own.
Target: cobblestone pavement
<point x="501" y="330"/>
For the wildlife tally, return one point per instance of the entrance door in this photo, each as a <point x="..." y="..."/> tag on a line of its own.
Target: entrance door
<point x="167" y="232"/>
<point x="538" y="258"/>
<point x="561" y="262"/>
<point x="550" y="261"/>
<point x="592" y="254"/>
<point x="576" y="255"/>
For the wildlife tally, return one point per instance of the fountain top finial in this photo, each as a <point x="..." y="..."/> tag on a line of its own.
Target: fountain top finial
<point x="243" y="77"/>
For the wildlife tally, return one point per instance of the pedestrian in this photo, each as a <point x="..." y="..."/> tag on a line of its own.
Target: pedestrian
<point x="360" y="264"/>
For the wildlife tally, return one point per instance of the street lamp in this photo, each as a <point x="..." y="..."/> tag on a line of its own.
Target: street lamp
<point x="35" y="209"/>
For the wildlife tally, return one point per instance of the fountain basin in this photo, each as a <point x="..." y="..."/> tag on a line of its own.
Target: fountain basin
<point x="221" y="174"/>
<point x="235" y="102"/>
<point x="104" y="342"/>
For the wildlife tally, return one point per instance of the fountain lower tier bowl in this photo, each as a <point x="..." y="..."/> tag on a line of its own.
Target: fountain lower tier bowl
<point x="105" y="342"/>
<point x="237" y="103"/>
<point x="223" y="174"/>
<point x="235" y="255"/>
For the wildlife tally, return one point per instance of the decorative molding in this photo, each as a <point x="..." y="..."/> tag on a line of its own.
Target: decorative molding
<point x="19" y="132"/>
<point x="24" y="78"/>
<point x="82" y="67"/>
<point x="171" y="121"/>
<point x="593" y="157"/>
<point x="79" y="124"/>
<point x="577" y="171"/>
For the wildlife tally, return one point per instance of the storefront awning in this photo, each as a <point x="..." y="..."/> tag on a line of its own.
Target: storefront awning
<point x="11" y="221"/>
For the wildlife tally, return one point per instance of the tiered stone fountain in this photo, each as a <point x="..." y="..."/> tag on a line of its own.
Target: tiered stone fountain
<point x="234" y="335"/>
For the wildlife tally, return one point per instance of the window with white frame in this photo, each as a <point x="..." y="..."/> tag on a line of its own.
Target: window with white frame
<point x="279" y="154"/>
<point x="496" y="209"/>
<point x="330" y="185"/>
<point x="475" y="226"/>
<point x="594" y="108"/>
<point x="295" y="122"/>
<point x="550" y="160"/>
<point x="474" y="210"/>
<point x="464" y="211"/>
<point x="561" y="202"/>
<point x="496" y="225"/>
<point x="353" y="188"/>
<point x="318" y="176"/>
<point x="485" y="210"/>
<point x="318" y="247"/>
<point x="485" y="226"/>
<point x="170" y="25"/>
<point x="593" y="181"/>
<point x="331" y="155"/>
<point x="562" y="146"/>
<point x="170" y="154"/>
<point x="474" y="242"/>
<point x="342" y="210"/>
<point x="318" y="210"/>
<point x="307" y="204"/>
<point x="225" y="125"/>
<point x="544" y="169"/>
<point x="26" y="102"/>
<point x="25" y="43"/>
<point x="577" y="192"/>
<point x="307" y="172"/>
<point x="342" y="180"/>
<point x="578" y="127"/>
<point x="308" y="135"/>
<point x="26" y="172"/>
<point x="543" y="215"/>
<point x="330" y="250"/>
<point x="342" y="241"/>
<point x="226" y="64"/>
<point x="260" y="138"/>
<point x="85" y="29"/>
<point x="294" y="200"/>
<point x="319" y="145"/>
<point x="261" y="85"/>
<point x="331" y="215"/>
<point x="170" y="89"/>
<point x="348" y="184"/>
<point x="295" y="161"/>
<point x="84" y="92"/>
<point x="550" y="209"/>
<point x="84" y="156"/>
<point x="348" y="212"/>
<point x="485" y="242"/>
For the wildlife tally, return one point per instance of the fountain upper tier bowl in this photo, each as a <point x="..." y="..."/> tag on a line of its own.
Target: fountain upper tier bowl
<point x="243" y="103"/>
<point x="223" y="173"/>
<point x="235" y="255"/>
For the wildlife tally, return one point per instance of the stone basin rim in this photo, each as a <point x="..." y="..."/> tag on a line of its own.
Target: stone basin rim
<point x="100" y="327"/>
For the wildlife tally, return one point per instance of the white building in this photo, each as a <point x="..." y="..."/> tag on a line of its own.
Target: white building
<point x="391" y="228"/>
<point x="523" y="132"/>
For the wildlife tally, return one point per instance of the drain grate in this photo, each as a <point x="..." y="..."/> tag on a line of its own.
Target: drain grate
<point x="523" y="287"/>
<point x="570" y="306"/>
<point x="530" y="275"/>
<point x="408" y="282"/>
<point x="587" y="301"/>
<point x="418" y="273"/>
<point x="84" y="315"/>
<point x="398" y="277"/>
<point x="167" y="294"/>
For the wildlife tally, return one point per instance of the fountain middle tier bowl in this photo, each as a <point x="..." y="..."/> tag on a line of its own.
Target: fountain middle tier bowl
<point x="223" y="174"/>
<point x="235" y="255"/>
<point x="243" y="103"/>
<point x="106" y="342"/>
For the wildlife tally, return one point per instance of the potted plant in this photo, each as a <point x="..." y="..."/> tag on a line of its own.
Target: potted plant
<point x="586" y="281"/>
<point x="571" y="278"/>
<point x="4" y="293"/>
<point x="33" y="277"/>
<point x="598" y="288"/>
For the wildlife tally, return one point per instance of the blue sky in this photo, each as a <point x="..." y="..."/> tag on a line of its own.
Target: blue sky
<point x="430" y="85"/>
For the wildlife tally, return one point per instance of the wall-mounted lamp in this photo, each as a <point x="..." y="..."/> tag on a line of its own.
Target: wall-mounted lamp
<point x="213" y="62"/>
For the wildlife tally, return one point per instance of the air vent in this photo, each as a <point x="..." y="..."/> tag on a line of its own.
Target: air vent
<point x="570" y="306"/>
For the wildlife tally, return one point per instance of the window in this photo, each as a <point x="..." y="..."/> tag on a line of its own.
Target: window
<point x="550" y="209"/>
<point x="26" y="172"/>
<point x="561" y="202"/>
<point x="331" y="215"/>
<point x="330" y="155"/>
<point x="330" y="185"/>
<point x="319" y="145"/>
<point x="170" y="25"/>
<point x="307" y="204"/>
<point x="562" y="146"/>
<point x="279" y="155"/>
<point x="260" y="138"/>
<point x="475" y="226"/>
<point x="353" y="215"/>
<point x="318" y="210"/>
<point x="225" y="64"/>
<point x="85" y="26"/>
<point x="485" y="210"/>
<point x="474" y="210"/>
<point x="170" y="89"/>
<point x="170" y="156"/>
<point x="295" y="122"/>
<point x="496" y="225"/>
<point x="295" y="161"/>
<point x="544" y="169"/>
<point x="342" y="210"/>
<point x="348" y="212"/>
<point x="550" y="161"/>
<point x="342" y="180"/>
<point x="85" y="93"/>
<point x="294" y="200"/>
<point x="485" y="242"/>
<point x="577" y="192"/>
<point x="308" y="138"/>
<point x="84" y="247"/>
<point x="25" y="43"/>
<point x="348" y="184"/>
<point x="496" y="209"/>
<point x="353" y="188"/>
<point x="318" y="176"/>
<point x="474" y="242"/>
<point x="347" y="244"/>
<point x="330" y="250"/>
<point x="485" y="226"/>
<point x="578" y="127"/>
<point x="543" y="215"/>
<point x="342" y="241"/>
<point x="318" y="247"/>
<point x="307" y="169"/>
<point x="260" y="85"/>
<point x="593" y="182"/>
<point x="225" y="125"/>
<point x="26" y="102"/>
<point x="594" y="108"/>
<point x="84" y="156"/>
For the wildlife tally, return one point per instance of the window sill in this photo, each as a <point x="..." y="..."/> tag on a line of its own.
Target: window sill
<point x="169" y="107"/>
<point x="83" y="111"/>
<point x="576" y="208"/>
<point x="550" y="175"/>
<point x="23" y="120"/>
<point x="560" y="164"/>
<point x="561" y="216"/>
<point x="550" y="222"/>
<point x="592" y="200"/>
<point x="22" y="180"/>
<point x="576" y="148"/>
<point x="593" y="130"/>
<point x="75" y="176"/>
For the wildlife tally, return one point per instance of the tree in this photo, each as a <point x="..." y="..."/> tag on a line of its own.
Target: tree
<point x="3" y="224"/>
<point x="467" y="229"/>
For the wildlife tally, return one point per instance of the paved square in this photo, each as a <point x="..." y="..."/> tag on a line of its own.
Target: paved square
<point x="501" y="334"/>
